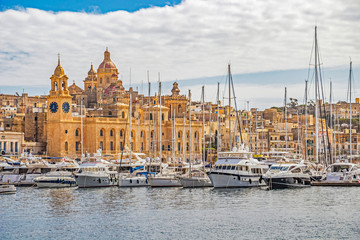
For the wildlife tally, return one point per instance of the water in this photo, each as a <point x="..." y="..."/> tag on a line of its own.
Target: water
<point x="176" y="213"/>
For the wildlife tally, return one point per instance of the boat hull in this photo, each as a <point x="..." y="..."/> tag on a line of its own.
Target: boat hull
<point x="7" y="189"/>
<point x="228" y="180"/>
<point x="86" y="181"/>
<point x="133" y="182"/>
<point x="55" y="183"/>
<point x="287" y="182"/>
<point x="164" y="182"/>
<point x="195" y="182"/>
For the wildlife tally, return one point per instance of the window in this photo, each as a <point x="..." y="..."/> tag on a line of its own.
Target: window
<point x="77" y="146"/>
<point x="111" y="133"/>
<point x="179" y="146"/>
<point x="123" y="114"/>
<point x="100" y="80"/>
<point x="66" y="146"/>
<point x="16" y="147"/>
<point x="195" y="135"/>
<point x="169" y="148"/>
<point x="132" y="134"/>
<point x="142" y="146"/>
<point x="11" y="147"/>
<point x="101" y="145"/>
<point x="131" y="146"/>
<point x="162" y="117"/>
<point x="187" y="146"/>
<point x="121" y="146"/>
<point x="111" y="146"/>
<point x="77" y="133"/>
<point x="142" y="134"/>
<point x="65" y="131"/>
<point x="121" y="133"/>
<point x="179" y="134"/>
<point x="151" y="116"/>
<point x="163" y="147"/>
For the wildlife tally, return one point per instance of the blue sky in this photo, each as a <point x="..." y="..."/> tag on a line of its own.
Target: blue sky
<point x="98" y="6"/>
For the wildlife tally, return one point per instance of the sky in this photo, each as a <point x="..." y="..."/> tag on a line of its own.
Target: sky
<point x="268" y="43"/>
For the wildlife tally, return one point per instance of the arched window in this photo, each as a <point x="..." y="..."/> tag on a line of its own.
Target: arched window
<point x="76" y="133"/>
<point x="195" y="135"/>
<point x="66" y="146"/>
<point x="55" y="86"/>
<point x="121" y="133"/>
<point x="132" y="134"/>
<point x="162" y="117"/>
<point x="123" y="114"/>
<point x="101" y="133"/>
<point x="179" y="134"/>
<point x="111" y="146"/>
<point x="152" y="134"/>
<point x="63" y="85"/>
<point x="142" y="134"/>
<point x="111" y="133"/>
<point x="151" y="116"/>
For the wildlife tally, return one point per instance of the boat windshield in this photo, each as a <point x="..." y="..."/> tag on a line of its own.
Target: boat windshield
<point x="281" y="168"/>
<point x="340" y="168"/>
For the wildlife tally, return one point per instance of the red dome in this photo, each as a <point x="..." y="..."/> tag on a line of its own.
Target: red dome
<point x="107" y="65"/>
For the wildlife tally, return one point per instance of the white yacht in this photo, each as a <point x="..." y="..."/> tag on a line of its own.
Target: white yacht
<point x="340" y="174"/>
<point x="168" y="177"/>
<point x="7" y="189"/>
<point x="56" y="179"/>
<point x="287" y="175"/>
<point x="236" y="169"/>
<point x="97" y="174"/>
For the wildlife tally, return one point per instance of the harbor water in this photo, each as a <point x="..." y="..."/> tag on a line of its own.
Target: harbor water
<point x="176" y="213"/>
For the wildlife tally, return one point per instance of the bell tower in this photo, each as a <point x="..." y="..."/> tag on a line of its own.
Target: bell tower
<point x="59" y="114"/>
<point x="59" y="100"/>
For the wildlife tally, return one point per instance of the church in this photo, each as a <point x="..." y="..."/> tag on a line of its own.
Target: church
<point x="100" y="116"/>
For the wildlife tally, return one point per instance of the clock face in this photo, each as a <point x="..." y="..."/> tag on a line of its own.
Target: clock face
<point x="54" y="107"/>
<point x="66" y="107"/>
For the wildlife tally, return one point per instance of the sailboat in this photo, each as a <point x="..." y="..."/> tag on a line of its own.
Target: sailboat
<point x="236" y="168"/>
<point x="197" y="177"/>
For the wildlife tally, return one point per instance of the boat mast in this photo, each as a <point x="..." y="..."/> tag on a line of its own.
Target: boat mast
<point x="130" y="126"/>
<point x="350" y="80"/>
<point x="331" y="122"/>
<point x="285" y="119"/>
<point x="82" y="128"/>
<point x="306" y="120"/>
<point x="316" y="101"/>
<point x="203" y="125"/>
<point x="149" y="135"/>
<point x="189" y="133"/>
<point x="230" y="146"/>
<point x="160" y="121"/>
<point x="218" y="120"/>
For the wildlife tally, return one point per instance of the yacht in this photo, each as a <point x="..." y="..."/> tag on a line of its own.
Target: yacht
<point x="56" y="179"/>
<point x="168" y="177"/>
<point x="236" y="169"/>
<point x="340" y="174"/>
<point x="7" y="189"/>
<point x="97" y="174"/>
<point x="287" y="175"/>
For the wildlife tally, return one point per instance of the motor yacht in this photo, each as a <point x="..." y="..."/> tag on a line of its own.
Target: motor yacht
<point x="236" y="169"/>
<point x="287" y="175"/>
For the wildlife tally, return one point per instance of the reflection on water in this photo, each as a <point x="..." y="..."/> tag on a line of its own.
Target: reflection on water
<point x="176" y="213"/>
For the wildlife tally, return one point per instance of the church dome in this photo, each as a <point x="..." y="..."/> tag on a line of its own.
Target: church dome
<point x="107" y="63"/>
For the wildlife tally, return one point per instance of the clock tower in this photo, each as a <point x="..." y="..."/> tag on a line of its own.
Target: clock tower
<point x="59" y="114"/>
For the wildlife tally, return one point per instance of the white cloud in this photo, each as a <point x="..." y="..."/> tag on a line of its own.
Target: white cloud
<point x="194" y="39"/>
